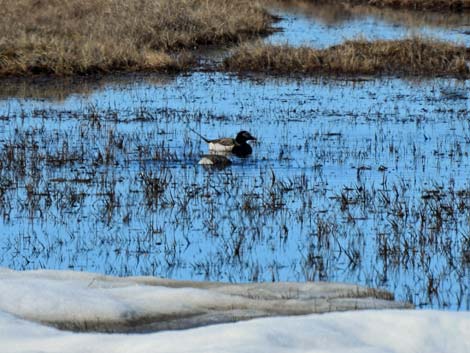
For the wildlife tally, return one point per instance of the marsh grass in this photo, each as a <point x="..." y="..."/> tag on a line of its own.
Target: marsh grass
<point x="88" y="36"/>
<point x="414" y="56"/>
<point x="149" y="208"/>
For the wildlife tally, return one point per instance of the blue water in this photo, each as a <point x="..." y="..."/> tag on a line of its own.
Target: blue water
<point x="311" y="28"/>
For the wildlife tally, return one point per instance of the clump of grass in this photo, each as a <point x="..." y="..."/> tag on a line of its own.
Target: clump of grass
<point x="155" y="186"/>
<point x="87" y="36"/>
<point x="414" y="56"/>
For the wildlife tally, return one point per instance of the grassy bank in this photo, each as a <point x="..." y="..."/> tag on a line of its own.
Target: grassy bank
<point x="408" y="57"/>
<point x="86" y="36"/>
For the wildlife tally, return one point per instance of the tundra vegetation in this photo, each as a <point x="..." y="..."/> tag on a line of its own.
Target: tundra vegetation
<point x="85" y="37"/>
<point x="78" y="37"/>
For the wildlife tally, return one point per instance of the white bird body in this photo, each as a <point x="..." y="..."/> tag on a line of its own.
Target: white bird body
<point x="216" y="146"/>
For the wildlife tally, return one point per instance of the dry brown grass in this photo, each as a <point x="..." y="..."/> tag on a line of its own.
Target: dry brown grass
<point x="83" y="36"/>
<point x="414" y="56"/>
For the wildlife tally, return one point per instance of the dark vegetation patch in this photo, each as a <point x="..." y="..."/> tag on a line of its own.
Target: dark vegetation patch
<point x="450" y="5"/>
<point x="429" y="5"/>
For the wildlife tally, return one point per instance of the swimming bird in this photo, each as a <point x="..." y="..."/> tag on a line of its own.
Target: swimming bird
<point x="215" y="160"/>
<point x="238" y="145"/>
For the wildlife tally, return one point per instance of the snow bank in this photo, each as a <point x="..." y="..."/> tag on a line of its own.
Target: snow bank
<point x="90" y="302"/>
<point x="399" y="331"/>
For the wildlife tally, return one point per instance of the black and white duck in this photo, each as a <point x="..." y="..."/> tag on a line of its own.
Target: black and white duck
<point x="238" y="145"/>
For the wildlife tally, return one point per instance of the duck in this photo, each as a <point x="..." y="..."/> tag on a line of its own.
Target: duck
<point x="215" y="160"/>
<point x="238" y="145"/>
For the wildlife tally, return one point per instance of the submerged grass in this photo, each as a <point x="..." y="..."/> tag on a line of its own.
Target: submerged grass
<point x="110" y="184"/>
<point x="86" y="36"/>
<point x="413" y="56"/>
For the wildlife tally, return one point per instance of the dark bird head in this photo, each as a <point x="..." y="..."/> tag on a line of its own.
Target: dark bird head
<point x="244" y="136"/>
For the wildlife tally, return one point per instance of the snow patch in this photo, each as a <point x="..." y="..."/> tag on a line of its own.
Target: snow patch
<point x="399" y="331"/>
<point x="90" y="302"/>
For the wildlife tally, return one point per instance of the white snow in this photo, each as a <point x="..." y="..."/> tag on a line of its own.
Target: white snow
<point x="28" y="298"/>
<point x="397" y="331"/>
<point x="87" y="301"/>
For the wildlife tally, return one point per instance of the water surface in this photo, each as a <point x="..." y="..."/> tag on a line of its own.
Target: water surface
<point x="321" y="26"/>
